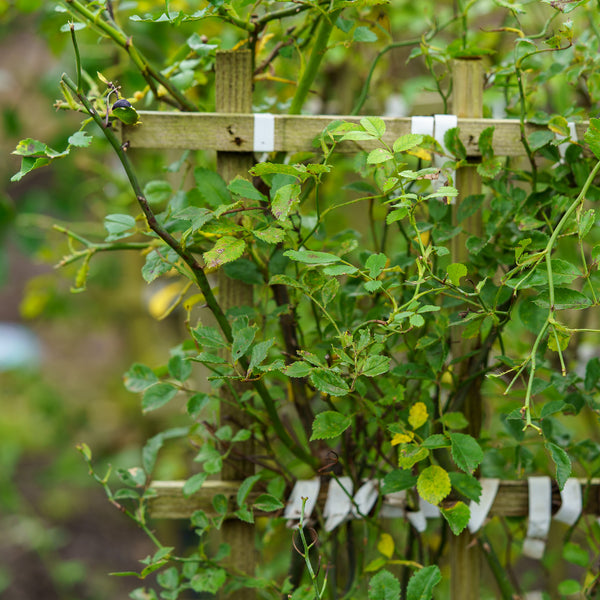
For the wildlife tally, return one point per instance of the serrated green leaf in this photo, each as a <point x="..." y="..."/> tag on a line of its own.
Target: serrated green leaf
<point x="119" y="226"/>
<point x="329" y="382"/>
<point x="242" y="340"/>
<point x="466" y="484"/>
<point x="329" y="424"/>
<point x="193" y="484"/>
<point x="268" y="503"/>
<point x="562" y="461"/>
<point x="211" y="187"/>
<point x="270" y="234"/>
<point x="398" y="480"/>
<point x="246" y="487"/>
<point x="592" y="137"/>
<point x="466" y="452"/>
<point x="375" y="365"/>
<point x="259" y="353"/>
<point x="422" y="583"/>
<point x="227" y="249"/>
<point x="364" y="34"/>
<point x="158" y="395"/>
<point x="139" y="378"/>
<point x="157" y="192"/>
<point x="379" y="155"/>
<point x="407" y="142"/>
<point x="80" y="139"/>
<point x="384" y="586"/>
<point x="311" y="257"/>
<point x="285" y="200"/>
<point x="457" y="516"/>
<point x="298" y="369"/>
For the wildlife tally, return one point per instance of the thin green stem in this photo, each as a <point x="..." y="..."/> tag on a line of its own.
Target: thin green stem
<point x="312" y="67"/>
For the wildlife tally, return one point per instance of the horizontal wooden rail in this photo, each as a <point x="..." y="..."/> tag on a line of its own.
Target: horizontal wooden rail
<point x="512" y="499"/>
<point x="296" y="133"/>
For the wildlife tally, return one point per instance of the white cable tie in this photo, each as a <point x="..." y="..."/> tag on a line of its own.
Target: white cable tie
<point x="417" y="520"/>
<point x="394" y="505"/>
<point x="431" y="511"/>
<point x="540" y="512"/>
<point x="562" y="148"/>
<point x="304" y="488"/>
<point x="480" y="510"/>
<point x="338" y="505"/>
<point x="264" y="132"/>
<point x="365" y="498"/>
<point x="442" y="123"/>
<point x="422" y="125"/>
<point x="571" y="502"/>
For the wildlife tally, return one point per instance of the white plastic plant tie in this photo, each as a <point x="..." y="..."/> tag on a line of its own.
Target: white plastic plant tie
<point x="417" y="520"/>
<point x="442" y="123"/>
<point x="394" y="505"/>
<point x="535" y="595"/>
<point x="304" y="488"/>
<point x="571" y="502"/>
<point x="540" y="512"/>
<point x="365" y="498"/>
<point x="562" y="148"/>
<point x="422" y="125"/>
<point x="338" y="505"/>
<point x="431" y="511"/>
<point x="480" y="510"/>
<point x="264" y="132"/>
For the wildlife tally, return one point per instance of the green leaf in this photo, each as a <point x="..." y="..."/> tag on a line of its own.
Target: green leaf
<point x="227" y="249"/>
<point x="364" y="34"/>
<point x="409" y="455"/>
<point x="485" y="143"/>
<point x="384" y="586"/>
<point x="375" y="365"/>
<point x="119" y="226"/>
<point x="311" y="257"/>
<point x="469" y="206"/>
<point x="298" y="369"/>
<point x="244" y="270"/>
<point x="210" y="580"/>
<point x="259" y="353"/>
<point x="270" y="234"/>
<point x="285" y="200"/>
<point x="437" y="440"/>
<point x="433" y="484"/>
<point x="456" y="271"/>
<point x="376" y="263"/>
<point x="329" y="382"/>
<point x="179" y="367"/>
<point x="398" y="480"/>
<point x="564" y="298"/>
<point x="466" y="452"/>
<point x="208" y="337"/>
<point x="421" y="584"/>
<point x="157" y="192"/>
<point x="454" y="420"/>
<point x="125" y="114"/>
<point x="268" y="503"/>
<point x="329" y="424"/>
<point x="246" y="487"/>
<point x="592" y="137"/>
<point x="211" y="187"/>
<point x="379" y="155"/>
<point x="193" y="484"/>
<point x="242" y="339"/>
<point x="575" y="554"/>
<point x="454" y="144"/>
<point x="538" y="139"/>
<point x="374" y="126"/>
<point x="457" y="516"/>
<point x="245" y="189"/>
<point x="155" y="266"/>
<point x="562" y="461"/>
<point x="406" y="142"/>
<point x="466" y="484"/>
<point x="139" y="378"/>
<point x="158" y="395"/>
<point x="80" y="139"/>
<point x="592" y="374"/>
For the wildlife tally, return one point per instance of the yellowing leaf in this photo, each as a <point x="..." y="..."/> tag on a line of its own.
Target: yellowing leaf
<point x="403" y="438"/>
<point x="418" y="415"/>
<point x="163" y="301"/>
<point x="386" y="545"/>
<point x="420" y="153"/>
<point x="434" y="484"/>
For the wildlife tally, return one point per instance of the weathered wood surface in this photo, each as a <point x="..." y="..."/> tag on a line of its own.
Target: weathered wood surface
<point x="512" y="499"/>
<point x="234" y="132"/>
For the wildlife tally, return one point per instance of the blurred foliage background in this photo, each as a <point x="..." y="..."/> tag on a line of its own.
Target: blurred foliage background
<point x="62" y="355"/>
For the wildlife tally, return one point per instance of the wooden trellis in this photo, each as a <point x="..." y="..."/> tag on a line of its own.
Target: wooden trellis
<point x="232" y="134"/>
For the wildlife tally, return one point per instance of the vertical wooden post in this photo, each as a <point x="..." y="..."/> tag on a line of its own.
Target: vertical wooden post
<point x="233" y="87"/>
<point x="467" y="101"/>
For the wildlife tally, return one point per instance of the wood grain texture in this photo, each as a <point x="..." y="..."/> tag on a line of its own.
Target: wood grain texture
<point x="234" y="132"/>
<point x="512" y="499"/>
